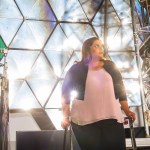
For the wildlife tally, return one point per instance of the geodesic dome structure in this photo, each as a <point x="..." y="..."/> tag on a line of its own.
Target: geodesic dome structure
<point x="43" y="38"/>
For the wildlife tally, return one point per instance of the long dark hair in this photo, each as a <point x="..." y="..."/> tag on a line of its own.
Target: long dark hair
<point x="86" y="53"/>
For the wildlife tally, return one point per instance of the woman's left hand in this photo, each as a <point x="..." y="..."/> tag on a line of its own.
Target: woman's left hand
<point x="131" y="115"/>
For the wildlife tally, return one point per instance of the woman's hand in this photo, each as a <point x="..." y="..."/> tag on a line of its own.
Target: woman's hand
<point x="65" y="122"/>
<point x="131" y="115"/>
<point x="125" y="107"/>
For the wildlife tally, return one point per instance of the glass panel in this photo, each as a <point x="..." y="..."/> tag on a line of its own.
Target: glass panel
<point x="98" y="22"/>
<point x="127" y="37"/>
<point x="20" y="63"/>
<point x="56" y="117"/>
<point x="8" y="9"/>
<point x="120" y="38"/>
<point x="14" y="85"/>
<point x="100" y="31"/>
<point x="8" y="31"/>
<point x="123" y="10"/>
<point x="90" y="7"/>
<point x="99" y="17"/>
<point x="112" y="17"/>
<point x="58" y="41"/>
<point x="58" y="60"/>
<point x="32" y="34"/>
<point x="35" y="9"/>
<point x="78" y="54"/>
<point x="72" y="60"/>
<point x="10" y="20"/>
<point x="77" y="33"/>
<point x="133" y="92"/>
<point x="21" y="96"/>
<point x="126" y="62"/>
<point x="114" y="40"/>
<point x="68" y="10"/>
<point x="42" y="79"/>
<point x="55" y="99"/>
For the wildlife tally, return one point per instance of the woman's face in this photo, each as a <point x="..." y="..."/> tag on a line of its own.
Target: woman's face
<point x="97" y="51"/>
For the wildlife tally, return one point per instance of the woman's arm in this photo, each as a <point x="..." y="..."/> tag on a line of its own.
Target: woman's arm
<point x="65" y="109"/>
<point x="66" y="114"/>
<point x="125" y="108"/>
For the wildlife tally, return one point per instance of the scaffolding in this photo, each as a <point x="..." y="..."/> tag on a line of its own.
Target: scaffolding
<point x="140" y="11"/>
<point x="4" y="106"/>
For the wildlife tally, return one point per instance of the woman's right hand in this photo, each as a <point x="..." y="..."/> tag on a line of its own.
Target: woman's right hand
<point x="65" y="123"/>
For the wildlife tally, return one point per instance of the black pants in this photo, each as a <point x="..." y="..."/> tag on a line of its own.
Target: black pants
<point x="102" y="135"/>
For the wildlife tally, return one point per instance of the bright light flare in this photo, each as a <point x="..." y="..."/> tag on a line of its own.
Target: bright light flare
<point x="73" y="42"/>
<point x="133" y="87"/>
<point x="73" y="95"/>
<point x="113" y="42"/>
<point x="123" y="65"/>
<point x="56" y="117"/>
<point x="57" y="70"/>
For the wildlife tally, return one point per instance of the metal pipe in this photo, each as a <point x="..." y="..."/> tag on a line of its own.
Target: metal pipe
<point x="106" y="28"/>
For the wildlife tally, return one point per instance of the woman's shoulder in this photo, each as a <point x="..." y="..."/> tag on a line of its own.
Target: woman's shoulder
<point x="76" y="66"/>
<point x="108" y="62"/>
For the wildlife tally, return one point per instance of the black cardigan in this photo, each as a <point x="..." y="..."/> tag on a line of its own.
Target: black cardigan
<point x="75" y="79"/>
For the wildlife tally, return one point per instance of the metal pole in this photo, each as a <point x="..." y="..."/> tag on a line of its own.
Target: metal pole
<point x="133" y="141"/>
<point x="139" y="67"/>
<point x="65" y="136"/>
<point x="106" y="28"/>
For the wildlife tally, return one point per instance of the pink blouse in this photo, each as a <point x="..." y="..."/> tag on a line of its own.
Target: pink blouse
<point x="99" y="101"/>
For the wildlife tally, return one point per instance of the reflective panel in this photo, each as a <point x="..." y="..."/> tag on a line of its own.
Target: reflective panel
<point x="58" y="60"/>
<point x="21" y="96"/>
<point x="120" y="34"/>
<point x="77" y="33"/>
<point x="72" y="60"/>
<point x="20" y="63"/>
<point x="133" y="92"/>
<point x="122" y="9"/>
<point x="114" y="40"/>
<point x="113" y="19"/>
<point x="78" y="54"/>
<point x="112" y="16"/>
<point x="120" y="38"/>
<point x="100" y="31"/>
<point x="42" y="74"/>
<point x="8" y="9"/>
<point x="32" y="35"/>
<point x="58" y="50"/>
<point x="98" y="20"/>
<point x="68" y="10"/>
<point x="126" y="62"/>
<point x="36" y="9"/>
<point x="58" y="41"/>
<point x="56" y="117"/>
<point x="10" y="20"/>
<point x="90" y="7"/>
<point x="55" y="99"/>
<point x="8" y="31"/>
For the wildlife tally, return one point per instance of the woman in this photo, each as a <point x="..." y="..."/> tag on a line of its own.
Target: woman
<point x="95" y="111"/>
